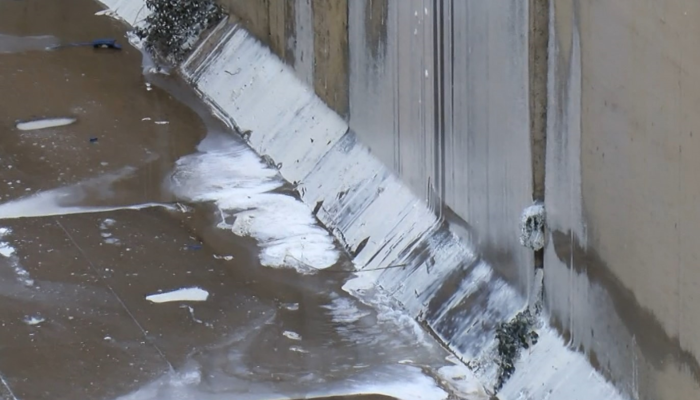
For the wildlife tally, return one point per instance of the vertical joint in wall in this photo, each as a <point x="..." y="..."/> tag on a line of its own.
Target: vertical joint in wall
<point x="538" y="40"/>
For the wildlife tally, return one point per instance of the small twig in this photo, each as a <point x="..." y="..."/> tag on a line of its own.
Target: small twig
<point x="372" y="269"/>
<point x="347" y="272"/>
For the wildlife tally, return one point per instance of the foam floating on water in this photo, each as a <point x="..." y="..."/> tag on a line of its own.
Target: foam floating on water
<point x="44" y="123"/>
<point x="185" y="294"/>
<point x="33" y="320"/>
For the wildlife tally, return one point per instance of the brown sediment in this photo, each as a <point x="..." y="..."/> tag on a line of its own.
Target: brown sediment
<point x="331" y="53"/>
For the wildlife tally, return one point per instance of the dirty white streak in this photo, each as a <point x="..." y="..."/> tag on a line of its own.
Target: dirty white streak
<point x="49" y="203"/>
<point x="44" y="123"/>
<point x="185" y="294"/>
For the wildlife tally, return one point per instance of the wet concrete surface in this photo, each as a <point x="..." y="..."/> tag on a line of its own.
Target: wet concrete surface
<point x="74" y="275"/>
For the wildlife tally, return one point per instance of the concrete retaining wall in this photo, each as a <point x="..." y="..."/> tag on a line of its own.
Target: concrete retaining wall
<point x="451" y="96"/>
<point x="622" y="273"/>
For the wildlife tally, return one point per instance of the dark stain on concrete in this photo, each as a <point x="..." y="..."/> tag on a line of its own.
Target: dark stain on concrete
<point x="501" y="259"/>
<point x="376" y="15"/>
<point x="254" y="16"/>
<point x="289" y="30"/>
<point x="655" y="344"/>
<point x="283" y="29"/>
<point x="331" y="53"/>
<point x="538" y="65"/>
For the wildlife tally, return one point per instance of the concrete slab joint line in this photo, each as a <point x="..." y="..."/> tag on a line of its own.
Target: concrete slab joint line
<point x="443" y="281"/>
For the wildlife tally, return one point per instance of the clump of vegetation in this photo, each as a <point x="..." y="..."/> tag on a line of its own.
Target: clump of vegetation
<point x="513" y="336"/>
<point x="173" y="27"/>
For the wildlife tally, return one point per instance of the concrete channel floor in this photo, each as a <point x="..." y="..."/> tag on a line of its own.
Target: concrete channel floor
<point x="76" y="262"/>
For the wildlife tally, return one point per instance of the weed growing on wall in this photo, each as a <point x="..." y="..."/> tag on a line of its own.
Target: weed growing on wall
<point x="512" y="336"/>
<point x="173" y="27"/>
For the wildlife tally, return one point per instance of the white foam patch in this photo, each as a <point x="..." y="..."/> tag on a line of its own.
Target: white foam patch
<point x="232" y="176"/>
<point x="22" y="274"/>
<point x="291" y="335"/>
<point x="185" y="294"/>
<point x="532" y="222"/>
<point x="298" y="349"/>
<point x="107" y="223"/>
<point x="44" y="123"/>
<point x="6" y="250"/>
<point x="33" y="320"/>
<point x="345" y="311"/>
<point x="461" y="381"/>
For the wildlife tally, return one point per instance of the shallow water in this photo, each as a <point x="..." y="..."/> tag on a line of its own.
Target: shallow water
<point x="17" y="44"/>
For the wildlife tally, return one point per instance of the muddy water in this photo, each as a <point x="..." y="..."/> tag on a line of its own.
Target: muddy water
<point x="134" y="199"/>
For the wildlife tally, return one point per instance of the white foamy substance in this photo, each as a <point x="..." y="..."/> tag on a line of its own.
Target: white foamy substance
<point x="344" y="311"/>
<point x="185" y="294"/>
<point x="6" y="250"/>
<point x="461" y="381"/>
<point x="44" y="123"/>
<point x="232" y="176"/>
<point x="291" y="335"/>
<point x="33" y="320"/>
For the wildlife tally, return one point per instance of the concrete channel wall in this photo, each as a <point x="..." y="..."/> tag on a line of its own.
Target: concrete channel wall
<point x="623" y="151"/>
<point x="452" y="96"/>
<point x="479" y="108"/>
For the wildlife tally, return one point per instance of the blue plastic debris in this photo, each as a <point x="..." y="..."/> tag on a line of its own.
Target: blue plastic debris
<point x="96" y="44"/>
<point x="93" y="140"/>
<point x="106" y="44"/>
